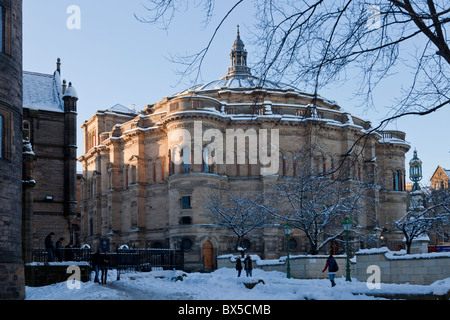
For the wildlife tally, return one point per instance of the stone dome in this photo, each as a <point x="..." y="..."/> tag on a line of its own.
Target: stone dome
<point x="238" y="77"/>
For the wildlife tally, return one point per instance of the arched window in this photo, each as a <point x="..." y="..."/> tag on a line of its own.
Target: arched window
<point x="283" y="165"/>
<point x="206" y="160"/>
<point x="171" y="164"/>
<point x="26" y="130"/>
<point x="398" y="181"/>
<point x="186" y="157"/>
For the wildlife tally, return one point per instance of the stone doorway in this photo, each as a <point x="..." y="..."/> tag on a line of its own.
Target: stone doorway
<point x="208" y="254"/>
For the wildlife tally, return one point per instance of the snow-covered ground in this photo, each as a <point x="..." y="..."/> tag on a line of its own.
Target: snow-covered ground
<point x="223" y="284"/>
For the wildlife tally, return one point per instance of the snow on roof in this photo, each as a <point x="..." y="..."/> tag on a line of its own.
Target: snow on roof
<point x="120" y="108"/>
<point x="238" y="83"/>
<point x="71" y="92"/>
<point x="42" y="91"/>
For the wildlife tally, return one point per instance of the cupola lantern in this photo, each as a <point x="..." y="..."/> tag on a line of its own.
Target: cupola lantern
<point x="415" y="171"/>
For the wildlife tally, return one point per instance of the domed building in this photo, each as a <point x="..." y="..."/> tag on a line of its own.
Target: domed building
<point x="146" y="174"/>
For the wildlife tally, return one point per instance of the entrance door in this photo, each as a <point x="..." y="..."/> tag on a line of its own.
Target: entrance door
<point x="207" y="252"/>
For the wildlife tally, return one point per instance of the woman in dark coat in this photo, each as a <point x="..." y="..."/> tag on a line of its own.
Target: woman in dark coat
<point x="239" y="266"/>
<point x="332" y="269"/>
<point x="105" y="266"/>
<point x="248" y="265"/>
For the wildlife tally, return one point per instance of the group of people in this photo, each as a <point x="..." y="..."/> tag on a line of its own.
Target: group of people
<point x="100" y="262"/>
<point x="57" y="250"/>
<point x="246" y="265"/>
<point x="331" y="265"/>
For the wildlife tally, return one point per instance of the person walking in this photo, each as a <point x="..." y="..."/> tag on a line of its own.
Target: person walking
<point x="59" y="250"/>
<point x="248" y="265"/>
<point x="239" y="266"/>
<point x="96" y="263"/>
<point x="332" y="269"/>
<point x="49" y="246"/>
<point x="105" y="266"/>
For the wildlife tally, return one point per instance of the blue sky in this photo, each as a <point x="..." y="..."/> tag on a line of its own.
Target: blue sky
<point x="113" y="58"/>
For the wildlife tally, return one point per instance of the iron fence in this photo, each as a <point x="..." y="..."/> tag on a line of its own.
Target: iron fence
<point x="123" y="259"/>
<point x="63" y="254"/>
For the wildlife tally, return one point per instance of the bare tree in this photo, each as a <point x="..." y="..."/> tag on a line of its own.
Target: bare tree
<point x="237" y="212"/>
<point x="314" y="43"/>
<point x="420" y="220"/>
<point x="316" y="203"/>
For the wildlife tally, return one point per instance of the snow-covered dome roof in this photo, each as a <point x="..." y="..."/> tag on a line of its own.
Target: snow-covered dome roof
<point x="239" y="76"/>
<point x="249" y="82"/>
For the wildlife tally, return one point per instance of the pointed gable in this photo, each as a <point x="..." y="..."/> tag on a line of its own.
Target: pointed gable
<point x="440" y="178"/>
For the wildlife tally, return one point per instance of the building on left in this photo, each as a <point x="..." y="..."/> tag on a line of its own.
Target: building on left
<point x="11" y="262"/>
<point x="49" y="126"/>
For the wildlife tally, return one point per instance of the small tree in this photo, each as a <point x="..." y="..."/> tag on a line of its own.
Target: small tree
<point x="419" y="221"/>
<point x="237" y="212"/>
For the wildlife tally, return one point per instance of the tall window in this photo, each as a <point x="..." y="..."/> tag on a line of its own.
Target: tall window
<point x="2" y="27"/>
<point x="186" y="202"/>
<point x="206" y="165"/>
<point x="398" y="185"/>
<point x="186" y="157"/>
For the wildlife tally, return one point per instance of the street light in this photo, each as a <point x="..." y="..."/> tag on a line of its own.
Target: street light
<point x="287" y="228"/>
<point x="347" y="224"/>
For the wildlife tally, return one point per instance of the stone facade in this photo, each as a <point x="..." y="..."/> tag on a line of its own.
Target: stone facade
<point x="144" y="185"/>
<point x="49" y="121"/>
<point x="440" y="178"/>
<point x="11" y="263"/>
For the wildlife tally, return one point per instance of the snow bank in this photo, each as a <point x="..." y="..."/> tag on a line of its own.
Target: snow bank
<point x="223" y="284"/>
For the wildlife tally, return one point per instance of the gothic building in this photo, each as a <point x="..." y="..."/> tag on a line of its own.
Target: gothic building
<point x="145" y="175"/>
<point x="440" y="179"/>
<point x="49" y="129"/>
<point x="11" y="263"/>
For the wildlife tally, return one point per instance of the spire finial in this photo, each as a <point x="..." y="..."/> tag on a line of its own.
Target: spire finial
<point x="238" y="59"/>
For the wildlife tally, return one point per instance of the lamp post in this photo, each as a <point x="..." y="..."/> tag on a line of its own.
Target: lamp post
<point x="287" y="228"/>
<point x="347" y="224"/>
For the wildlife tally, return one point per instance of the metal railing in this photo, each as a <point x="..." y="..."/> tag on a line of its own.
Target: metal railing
<point x="63" y="254"/>
<point x="123" y="259"/>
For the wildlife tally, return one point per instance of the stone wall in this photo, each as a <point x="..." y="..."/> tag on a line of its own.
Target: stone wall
<point x="11" y="264"/>
<point x="42" y="274"/>
<point x="302" y="266"/>
<point x="395" y="267"/>
<point x="47" y="137"/>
